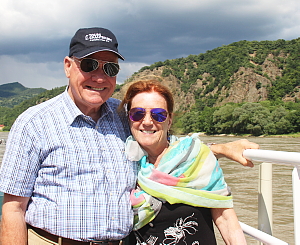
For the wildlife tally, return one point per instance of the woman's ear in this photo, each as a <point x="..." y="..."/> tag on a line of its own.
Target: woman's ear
<point x="67" y="66"/>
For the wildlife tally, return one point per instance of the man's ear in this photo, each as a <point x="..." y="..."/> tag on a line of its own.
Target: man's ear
<point x="67" y="66"/>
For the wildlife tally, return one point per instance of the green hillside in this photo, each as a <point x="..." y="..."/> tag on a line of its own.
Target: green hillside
<point x="247" y="87"/>
<point x="278" y="62"/>
<point x="9" y="115"/>
<point x="12" y="94"/>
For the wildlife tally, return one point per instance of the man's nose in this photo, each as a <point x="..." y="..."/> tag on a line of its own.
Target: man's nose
<point x="98" y="75"/>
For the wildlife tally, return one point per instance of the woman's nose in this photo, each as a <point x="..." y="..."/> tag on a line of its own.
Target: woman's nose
<point x="147" y="119"/>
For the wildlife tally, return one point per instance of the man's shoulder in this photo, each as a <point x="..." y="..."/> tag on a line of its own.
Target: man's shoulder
<point x="113" y="104"/>
<point x="113" y="101"/>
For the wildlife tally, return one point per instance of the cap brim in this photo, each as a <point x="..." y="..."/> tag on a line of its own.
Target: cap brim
<point x="86" y="53"/>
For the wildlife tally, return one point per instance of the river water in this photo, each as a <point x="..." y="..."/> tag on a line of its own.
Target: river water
<point x="244" y="185"/>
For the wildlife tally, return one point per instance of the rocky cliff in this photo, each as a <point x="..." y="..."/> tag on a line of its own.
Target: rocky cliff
<point x="247" y="84"/>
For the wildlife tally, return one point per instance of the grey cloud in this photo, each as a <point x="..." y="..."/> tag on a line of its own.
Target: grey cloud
<point x="147" y="31"/>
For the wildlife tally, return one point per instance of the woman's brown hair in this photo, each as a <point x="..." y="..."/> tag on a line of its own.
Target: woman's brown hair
<point x="147" y="86"/>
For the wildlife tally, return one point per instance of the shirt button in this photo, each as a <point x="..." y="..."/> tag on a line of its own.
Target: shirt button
<point x="96" y="127"/>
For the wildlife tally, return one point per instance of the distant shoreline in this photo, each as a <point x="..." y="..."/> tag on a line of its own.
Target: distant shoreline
<point x="296" y="135"/>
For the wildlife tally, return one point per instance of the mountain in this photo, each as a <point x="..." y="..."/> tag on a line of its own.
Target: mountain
<point x="245" y="87"/>
<point x="11" y="89"/>
<point x="12" y="94"/>
<point x="244" y="71"/>
<point x="9" y="115"/>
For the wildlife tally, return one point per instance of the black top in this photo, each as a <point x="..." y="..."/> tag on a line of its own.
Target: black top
<point x="177" y="224"/>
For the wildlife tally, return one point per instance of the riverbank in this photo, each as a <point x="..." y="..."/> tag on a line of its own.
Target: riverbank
<point x="295" y="135"/>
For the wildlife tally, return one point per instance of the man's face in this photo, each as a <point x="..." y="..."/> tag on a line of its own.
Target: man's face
<point x="89" y="90"/>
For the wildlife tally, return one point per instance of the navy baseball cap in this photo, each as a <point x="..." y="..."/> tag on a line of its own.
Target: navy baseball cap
<point x="87" y="41"/>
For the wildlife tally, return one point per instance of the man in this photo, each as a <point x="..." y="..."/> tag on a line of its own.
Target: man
<point x="64" y="173"/>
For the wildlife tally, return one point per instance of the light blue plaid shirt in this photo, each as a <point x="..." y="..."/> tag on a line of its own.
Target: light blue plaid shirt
<point x="74" y="169"/>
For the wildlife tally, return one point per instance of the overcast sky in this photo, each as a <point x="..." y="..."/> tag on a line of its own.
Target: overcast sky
<point x="35" y="35"/>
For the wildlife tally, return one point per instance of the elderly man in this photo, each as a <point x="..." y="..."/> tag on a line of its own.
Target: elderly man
<point x="64" y="174"/>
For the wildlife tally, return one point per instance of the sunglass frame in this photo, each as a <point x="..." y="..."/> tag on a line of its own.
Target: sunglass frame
<point x="104" y="67"/>
<point x="152" y="114"/>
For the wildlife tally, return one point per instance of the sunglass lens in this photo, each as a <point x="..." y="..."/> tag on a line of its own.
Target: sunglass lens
<point x="159" y="114"/>
<point x="111" y="69"/>
<point x="137" y="114"/>
<point x="88" y="65"/>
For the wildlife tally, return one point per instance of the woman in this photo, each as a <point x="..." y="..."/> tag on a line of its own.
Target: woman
<point x="180" y="184"/>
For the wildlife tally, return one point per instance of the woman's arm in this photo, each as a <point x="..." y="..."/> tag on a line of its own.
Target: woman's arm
<point x="13" y="225"/>
<point x="227" y="222"/>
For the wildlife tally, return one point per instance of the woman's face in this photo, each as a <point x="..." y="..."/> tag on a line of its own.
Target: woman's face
<point x="149" y="133"/>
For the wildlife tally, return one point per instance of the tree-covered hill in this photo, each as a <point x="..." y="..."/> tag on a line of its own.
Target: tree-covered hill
<point x="260" y="80"/>
<point x="245" y="87"/>
<point x="244" y="71"/>
<point x="9" y="115"/>
<point x="12" y="94"/>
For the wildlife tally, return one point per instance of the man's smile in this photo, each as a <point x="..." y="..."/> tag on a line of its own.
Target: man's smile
<point x="97" y="89"/>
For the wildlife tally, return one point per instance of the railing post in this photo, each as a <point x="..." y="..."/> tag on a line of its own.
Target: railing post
<point x="265" y="199"/>
<point x="296" y="201"/>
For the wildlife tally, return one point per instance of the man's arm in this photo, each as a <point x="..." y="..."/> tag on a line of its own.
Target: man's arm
<point x="13" y="225"/>
<point x="234" y="151"/>
<point x="228" y="225"/>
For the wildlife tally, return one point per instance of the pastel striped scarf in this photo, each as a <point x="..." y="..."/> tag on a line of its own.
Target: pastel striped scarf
<point x="187" y="173"/>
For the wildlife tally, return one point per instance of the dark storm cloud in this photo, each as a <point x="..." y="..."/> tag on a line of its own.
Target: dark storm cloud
<point x="35" y="34"/>
<point x="160" y="38"/>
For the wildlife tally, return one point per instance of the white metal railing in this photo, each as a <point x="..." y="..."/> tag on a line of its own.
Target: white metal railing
<point x="261" y="236"/>
<point x="265" y="203"/>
